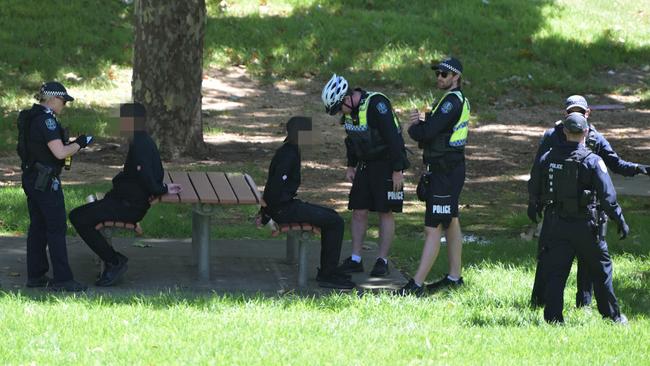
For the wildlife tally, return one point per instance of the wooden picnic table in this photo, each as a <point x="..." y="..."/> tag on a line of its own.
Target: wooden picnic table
<point x="206" y="191"/>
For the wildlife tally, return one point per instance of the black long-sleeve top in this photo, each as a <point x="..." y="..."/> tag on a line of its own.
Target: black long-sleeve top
<point x="142" y="176"/>
<point x="284" y="176"/>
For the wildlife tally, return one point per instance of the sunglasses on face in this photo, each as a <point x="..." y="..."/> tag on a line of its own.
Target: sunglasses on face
<point x="444" y="74"/>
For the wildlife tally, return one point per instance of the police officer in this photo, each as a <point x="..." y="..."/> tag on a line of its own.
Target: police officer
<point x="442" y="135"/>
<point x="282" y="206"/>
<point x="43" y="148"/>
<point x="571" y="181"/>
<point x="554" y="137"/>
<point x="128" y="200"/>
<point x="376" y="160"/>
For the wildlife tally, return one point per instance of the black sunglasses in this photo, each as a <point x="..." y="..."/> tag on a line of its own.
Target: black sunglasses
<point x="63" y="100"/>
<point x="444" y="74"/>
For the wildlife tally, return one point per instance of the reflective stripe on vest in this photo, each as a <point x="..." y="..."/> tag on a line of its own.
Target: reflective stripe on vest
<point x="363" y="115"/>
<point x="461" y="128"/>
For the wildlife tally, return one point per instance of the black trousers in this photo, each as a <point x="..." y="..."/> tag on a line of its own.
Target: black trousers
<point x="584" y="283"/>
<point x="568" y="238"/>
<point x="329" y="222"/>
<point x="84" y="218"/>
<point x="47" y="228"/>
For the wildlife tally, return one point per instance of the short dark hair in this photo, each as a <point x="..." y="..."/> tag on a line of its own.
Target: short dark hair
<point x="136" y="110"/>
<point x="295" y="124"/>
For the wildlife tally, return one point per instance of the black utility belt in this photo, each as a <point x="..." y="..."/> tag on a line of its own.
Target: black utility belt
<point x="443" y="165"/>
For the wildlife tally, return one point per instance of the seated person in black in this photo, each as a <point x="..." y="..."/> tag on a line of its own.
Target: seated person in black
<point x="128" y="200"/>
<point x="282" y="206"/>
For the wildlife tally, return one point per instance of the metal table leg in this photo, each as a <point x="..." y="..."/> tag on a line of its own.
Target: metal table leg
<point x="201" y="233"/>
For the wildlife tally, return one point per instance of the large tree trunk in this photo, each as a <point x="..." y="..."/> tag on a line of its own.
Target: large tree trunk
<point x="168" y="70"/>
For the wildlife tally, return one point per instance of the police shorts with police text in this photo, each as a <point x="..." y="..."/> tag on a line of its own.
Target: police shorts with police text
<point x="372" y="189"/>
<point x="443" y="194"/>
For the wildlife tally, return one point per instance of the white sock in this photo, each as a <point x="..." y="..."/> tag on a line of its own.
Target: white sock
<point x="453" y="278"/>
<point x="383" y="259"/>
<point x="356" y="258"/>
<point x="417" y="284"/>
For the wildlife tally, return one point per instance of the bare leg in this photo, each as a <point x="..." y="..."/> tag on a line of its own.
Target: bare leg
<point x="454" y="247"/>
<point x="429" y="253"/>
<point x="358" y="230"/>
<point x="386" y="232"/>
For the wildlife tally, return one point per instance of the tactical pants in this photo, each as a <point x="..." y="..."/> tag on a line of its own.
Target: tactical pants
<point x="568" y="237"/>
<point x="47" y="228"/>
<point x="584" y="282"/>
<point x="328" y="220"/>
<point x="84" y="218"/>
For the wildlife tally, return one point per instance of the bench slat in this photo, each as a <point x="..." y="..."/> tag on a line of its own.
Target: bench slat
<point x="222" y="188"/>
<point x="242" y="189"/>
<point x="168" y="197"/>
<point x="203" y="187"/>
<point x="187" y="195"/>
<point x="253" y="187"/>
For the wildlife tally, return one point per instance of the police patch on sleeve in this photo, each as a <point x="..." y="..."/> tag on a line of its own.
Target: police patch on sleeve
<point x="446" y="107"/>
<point x="602" y="166"/>
<point x="50" y="123"/>
<point x="382" y="108"/>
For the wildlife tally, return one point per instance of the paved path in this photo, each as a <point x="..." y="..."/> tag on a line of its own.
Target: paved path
<point x="631" y="186"/>
<point x="238" y="266"/>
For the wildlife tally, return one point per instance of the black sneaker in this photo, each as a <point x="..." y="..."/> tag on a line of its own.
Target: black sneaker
<point x="70" y="286"/>
<point x="380" y="269"/>
<point x="445" y="282"/>
<point x="42" y="281"/>
<point x="350" y="266"/>
<point x="334" y="280"/>
<point x="113" y="272"/>
<point x="411" y="289"/>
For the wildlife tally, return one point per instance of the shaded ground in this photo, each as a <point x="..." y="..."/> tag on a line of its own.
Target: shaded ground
<point x="244" y="124"/>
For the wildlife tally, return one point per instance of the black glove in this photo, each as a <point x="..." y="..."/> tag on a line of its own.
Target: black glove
<point x="623" y="229"/>
<point x="534" y="211"/>
<point x="81" y="141"/>
<point x="642" y="169"/>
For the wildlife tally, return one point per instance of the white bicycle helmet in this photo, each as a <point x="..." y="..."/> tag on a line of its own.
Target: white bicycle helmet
<point x="333" y="93"/>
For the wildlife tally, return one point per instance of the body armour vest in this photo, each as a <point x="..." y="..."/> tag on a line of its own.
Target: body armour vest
<point x="561" y="186"/>
<point x="449" y="142"/>
<point x="367" y="143"/>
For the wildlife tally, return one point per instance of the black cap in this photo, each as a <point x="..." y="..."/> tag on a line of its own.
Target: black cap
<point x="55" y="89"/>
<point x="575" y="122"/>
<point x="449" y="64"/>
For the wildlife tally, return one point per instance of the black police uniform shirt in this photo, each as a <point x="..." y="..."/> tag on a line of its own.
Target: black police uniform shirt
<point x="442" y="120"/>
<point x="43" y="128"/>
<point x="599" y="146"/>
<point x="142" y="176"/>
<point x="592" y="176"/>
<point x="284" y="176"/>
<point x="380" y="117"/>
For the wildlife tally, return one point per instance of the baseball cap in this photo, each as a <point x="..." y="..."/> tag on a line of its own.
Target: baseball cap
<point x="576" y="101"/>
<point x="56" y="89"/>
<point x="575" y="122"/>
<point x="449" y="64"/>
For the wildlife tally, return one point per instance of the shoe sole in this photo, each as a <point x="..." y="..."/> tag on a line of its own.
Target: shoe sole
<point x="115" y="279"/>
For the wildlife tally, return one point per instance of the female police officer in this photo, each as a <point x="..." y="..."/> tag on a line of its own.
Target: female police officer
<point x="43" y="149"/>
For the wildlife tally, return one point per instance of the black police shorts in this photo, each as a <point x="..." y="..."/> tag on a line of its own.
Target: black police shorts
<point x="443" y="194"/>
<point x="372" y="189"/>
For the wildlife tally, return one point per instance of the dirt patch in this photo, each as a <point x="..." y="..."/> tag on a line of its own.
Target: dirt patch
<point x="244" y="123"/>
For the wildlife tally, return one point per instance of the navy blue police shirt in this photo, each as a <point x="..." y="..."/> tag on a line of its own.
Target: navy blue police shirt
<point x="380" y="117"/>
<point x="592" y="176"/>
<point x="284" y="176"/>
<point x="442" y="120"/>
<point x="142" y="176"/>
<point x="596" y="142"/>
<point x="43" y="128"/>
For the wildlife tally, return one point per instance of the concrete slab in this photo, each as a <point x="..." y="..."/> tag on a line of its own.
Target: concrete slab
<point x="631" y="186"/>
<point x="237" y="266"/>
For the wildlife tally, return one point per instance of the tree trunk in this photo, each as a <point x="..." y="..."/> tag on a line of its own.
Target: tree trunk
<point x="168" y="70"/>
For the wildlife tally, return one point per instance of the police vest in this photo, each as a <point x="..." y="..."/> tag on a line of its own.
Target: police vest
<point x="449" y="142"/>
<point x="561" y="186"/>
<point x="31" y="151"/>
<point x="366" y="142"/>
